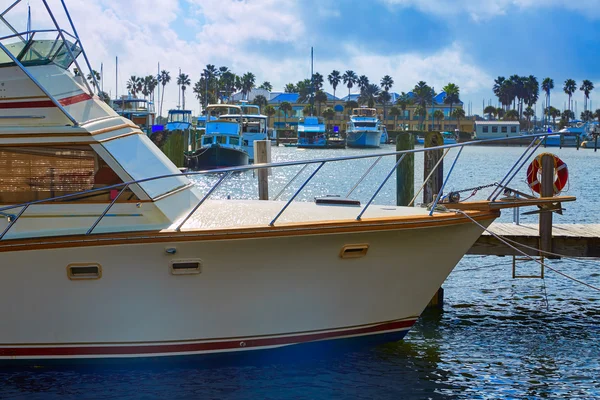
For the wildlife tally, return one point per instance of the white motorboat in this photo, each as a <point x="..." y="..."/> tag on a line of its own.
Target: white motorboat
<point x="108" y="251"/>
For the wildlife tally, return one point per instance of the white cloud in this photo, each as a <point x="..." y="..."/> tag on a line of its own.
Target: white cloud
<point x="484" y="9"/>
<point x="437" y="69"/>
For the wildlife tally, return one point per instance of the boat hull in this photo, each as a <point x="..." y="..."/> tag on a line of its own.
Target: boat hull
<point x="280" y="296"/>
<point x="216" y="157"/>
<point x="368" y="139"/>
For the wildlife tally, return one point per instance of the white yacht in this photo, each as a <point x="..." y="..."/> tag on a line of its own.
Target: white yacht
<point x="108" y="251"/>
<point x="364" y="129"/>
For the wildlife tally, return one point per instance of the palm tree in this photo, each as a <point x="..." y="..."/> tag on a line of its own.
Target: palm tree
<point x="403" y="101"/>
<point x="227" y="84"/>
<point x="199" y="90"/>
<point x="290" y="88"/>
<point x="528" y="113"/>
<point x="500" y="112"/>
<point x="266" y="85"/>
<point x="458" y="114"/>
<point x="386" y="83"/>
<point x="511" y="115"/>
<point x="260" y="100"/>
<point x="320" y="98"/>
<point x="307" y="110"/>
<point x="421" y="112"/>
<point x="350" y="105"/>
<point x="317" y="81"/>
<point x="163" y="78"/>
<point x="570" y="88"/>
<point x="439" y="116"/>
<point x="547" y="86"/>
<point x="567" y="115"/>
<point x="490" y="110"/>
<point x="395" y="112"/>
<point x="285" y="107"/>
<point x="248" y="80"/>
<point x="362" y="82"/>
<point x="132" y="85"/>
<point x="90" y="77"/>
<point x="554" y="113"/>
<point x="304" y="90"/>
<point x="532" y="90"/>
<point x="328" y="113"/>
<point x="369" y="94"/>
<point x="384" y="98"/>
<point x="587" y="116"/>
<point x="349" y="79"/>
<point x="183" y="80"/>
<point x="452" y="95"/>
<point x="423" y="96"/>
<point x="334" y="79"/>
<point x="269" y="111"/>
<point x="586" y="87"/>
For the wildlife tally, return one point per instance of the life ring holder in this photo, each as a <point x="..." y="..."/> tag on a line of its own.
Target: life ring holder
<point x="561" y="174"/>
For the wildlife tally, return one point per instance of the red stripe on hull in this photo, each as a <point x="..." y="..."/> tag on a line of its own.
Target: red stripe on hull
<point x="67" y="101"/>
<point x="165" y="349"/>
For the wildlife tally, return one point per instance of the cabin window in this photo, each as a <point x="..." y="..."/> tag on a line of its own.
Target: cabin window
<point x="222" y="139"/>
<point x="234" y="140"/>
<point x="504" y="129"/>
<point x="513" y="129"/>
<point x="494" y="129"/>
<point x="35" y="173"/>
<point x="485" y="129"/>
<point x="207" y="140"/>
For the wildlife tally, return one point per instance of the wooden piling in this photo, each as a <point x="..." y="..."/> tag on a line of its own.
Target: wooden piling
<point x="547" y="190"/>
<point x="430" y="159"/>
<point x="405" y="173"/>
<point x="262" y="155"/>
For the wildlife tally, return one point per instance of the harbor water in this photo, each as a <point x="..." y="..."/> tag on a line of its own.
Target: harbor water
<point x="496" y="337"/>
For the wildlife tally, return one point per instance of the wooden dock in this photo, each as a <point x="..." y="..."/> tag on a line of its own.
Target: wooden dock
<point x="578" y="240"/>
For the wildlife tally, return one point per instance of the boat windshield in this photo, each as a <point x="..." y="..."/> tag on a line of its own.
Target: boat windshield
<point x="365" y="112"/>
<point x="179" y="116"/>
<point x="40" y="52"/>
<point x="363" y="124"/>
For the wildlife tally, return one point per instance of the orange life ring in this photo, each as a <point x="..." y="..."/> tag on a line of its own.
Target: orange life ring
<point x="561" y="174"/>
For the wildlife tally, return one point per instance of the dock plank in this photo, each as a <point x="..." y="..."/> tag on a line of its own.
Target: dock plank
<point x="580" y="240"/>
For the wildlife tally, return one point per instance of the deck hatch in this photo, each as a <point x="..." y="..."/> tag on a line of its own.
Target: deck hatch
<point x="354" y="250"/>
<point x="84" y="271"/>
<point x="186" y="267"/>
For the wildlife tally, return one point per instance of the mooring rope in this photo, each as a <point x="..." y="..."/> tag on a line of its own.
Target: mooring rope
<point x="525" y="254"/>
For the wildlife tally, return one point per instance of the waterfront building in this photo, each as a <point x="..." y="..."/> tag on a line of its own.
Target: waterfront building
<point x="408" y="121"/>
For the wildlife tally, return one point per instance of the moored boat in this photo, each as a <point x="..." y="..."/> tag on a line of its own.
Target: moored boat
<point x="108" y="251"/>
<point x="222" y="140"/>
<point x="364" y="129"/>
<point x="311" y="133"/>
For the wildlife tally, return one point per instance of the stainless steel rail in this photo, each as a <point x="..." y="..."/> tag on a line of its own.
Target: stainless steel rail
<point x="227" y="172"/>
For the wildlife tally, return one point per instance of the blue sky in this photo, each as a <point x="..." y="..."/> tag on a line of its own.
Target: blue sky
<point x="468" y="42"/>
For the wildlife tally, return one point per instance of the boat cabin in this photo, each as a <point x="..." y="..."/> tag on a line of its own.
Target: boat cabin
<point x="139" y="111"/>
<point x="496" y="129"/>
<point x="58" y="138"/>
<point x="226" y="128"/>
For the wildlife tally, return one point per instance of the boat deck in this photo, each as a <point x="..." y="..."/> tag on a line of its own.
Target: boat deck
<point x="224" y="214"/>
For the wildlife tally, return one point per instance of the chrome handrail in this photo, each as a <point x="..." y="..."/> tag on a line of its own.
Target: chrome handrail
<point x="229" y="171"/>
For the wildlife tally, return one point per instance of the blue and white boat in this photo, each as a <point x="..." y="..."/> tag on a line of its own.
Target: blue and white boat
<point x="571" y="136"/>
<point x="221" y="144"/>
<point x="254" y="127"/>
<point x="364" y="129"/>
<point x="311" y="133"/>
<point x="449" y="138"/>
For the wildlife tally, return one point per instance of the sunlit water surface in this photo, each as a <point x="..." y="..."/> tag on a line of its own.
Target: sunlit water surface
<point x="497" y="337"/>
